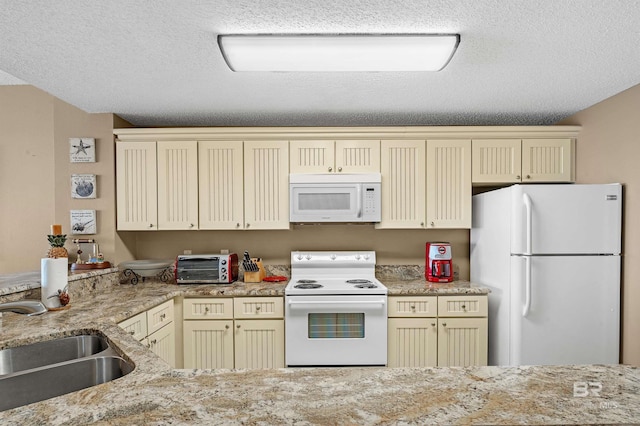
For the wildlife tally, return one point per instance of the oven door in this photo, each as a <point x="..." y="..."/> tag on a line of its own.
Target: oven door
<point x="336" y="330"/>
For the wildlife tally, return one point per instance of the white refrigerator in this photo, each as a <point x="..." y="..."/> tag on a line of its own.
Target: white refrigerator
<point x="551" y="256"/>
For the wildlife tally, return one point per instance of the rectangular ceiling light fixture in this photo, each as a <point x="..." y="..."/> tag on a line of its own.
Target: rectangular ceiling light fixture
<point x="338" y="53"/>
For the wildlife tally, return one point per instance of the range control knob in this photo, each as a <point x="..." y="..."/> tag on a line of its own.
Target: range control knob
<point x="299" y="257"/>
<point x="308" y="257"/>
<point x="357" y="257"/>
<point x="333" y="257"/>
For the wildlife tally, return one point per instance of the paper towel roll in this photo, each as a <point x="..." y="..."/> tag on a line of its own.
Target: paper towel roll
<point x="53" y="277"/>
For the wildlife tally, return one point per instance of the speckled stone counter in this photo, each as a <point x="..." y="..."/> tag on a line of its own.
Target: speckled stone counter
<point x="155" y="394"/>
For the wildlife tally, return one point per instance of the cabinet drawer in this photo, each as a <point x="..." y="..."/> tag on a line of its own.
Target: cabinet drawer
<point x="413" y="306"/>
<point x="462" y="306"/>
<point x="207" y="308"/>
<point x="159" y="316"/>
<point x="135" y="326"/>
<point x="258" y="307"/>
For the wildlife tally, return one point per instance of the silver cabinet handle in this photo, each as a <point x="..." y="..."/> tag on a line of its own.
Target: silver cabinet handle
<point x="330" y="169"/>
<point x="444" y="324"/>
<point x="518" y="177"/>
<point x="248" y="224"/>
<point x="226" y="326"/>
<point x="191" y="225"/>
<point x="339" y="169"/>
<point x="238" y="326"/>
<point x="433" y="324"/>
<point x="528" y="177"/>
<point x="132" y="333"/>
<point x="237" y="225"/>
<point x="150" y="225"/>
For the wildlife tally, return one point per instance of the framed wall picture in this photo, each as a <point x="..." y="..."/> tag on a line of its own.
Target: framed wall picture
<point x="83" y="186"/>
<point x="83" y="221"/>
<point x="82" y="150"/>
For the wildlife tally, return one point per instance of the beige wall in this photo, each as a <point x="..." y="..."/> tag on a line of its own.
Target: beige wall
<point x="608" y="150"/>
<point x="391" y="246"/>
<point x="27" y="190"/>
<point x="35" y="174"/>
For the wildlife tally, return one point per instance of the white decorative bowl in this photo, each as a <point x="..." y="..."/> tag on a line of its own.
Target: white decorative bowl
<point x="145" y="268"/>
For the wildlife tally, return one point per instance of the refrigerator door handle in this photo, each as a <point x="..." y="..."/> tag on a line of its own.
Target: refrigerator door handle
<point x="529" y="210"/>
<point x="527" y="286"/>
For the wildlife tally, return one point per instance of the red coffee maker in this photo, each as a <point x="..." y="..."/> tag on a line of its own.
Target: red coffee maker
<point x="438" y="264"/>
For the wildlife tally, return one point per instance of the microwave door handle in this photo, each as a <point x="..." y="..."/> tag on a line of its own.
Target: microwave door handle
<point x="359" y="201"/>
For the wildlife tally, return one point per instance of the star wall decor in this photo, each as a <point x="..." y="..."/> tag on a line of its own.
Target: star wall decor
<point x="82" y="150"/>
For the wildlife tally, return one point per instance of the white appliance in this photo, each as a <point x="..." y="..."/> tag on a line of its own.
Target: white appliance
<point x="334" y="197"/>
<point x="335" y="310"/>
<point x="551" y="256"/>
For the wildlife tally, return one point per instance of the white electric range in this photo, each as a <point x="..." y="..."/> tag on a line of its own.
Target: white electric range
<point x="335" y="310"/>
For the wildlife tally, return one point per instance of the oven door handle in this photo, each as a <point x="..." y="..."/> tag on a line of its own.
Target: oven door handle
<point x="338" y="302"/>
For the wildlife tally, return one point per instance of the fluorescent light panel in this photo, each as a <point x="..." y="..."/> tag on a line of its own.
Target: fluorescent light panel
<point x="341" y="53"/>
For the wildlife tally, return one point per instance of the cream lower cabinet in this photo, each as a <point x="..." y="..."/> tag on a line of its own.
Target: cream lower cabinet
<point x="412" y="331"/>
<point x="155" y="329"/>
<point x="499" y="161"/>
<point x="426" y="331"/>
<point x="244" y="332"/>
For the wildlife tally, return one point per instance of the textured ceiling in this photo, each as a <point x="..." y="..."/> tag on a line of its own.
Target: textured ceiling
<point x="156" y="63"/>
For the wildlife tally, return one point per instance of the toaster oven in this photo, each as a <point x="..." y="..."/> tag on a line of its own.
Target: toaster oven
<point x="206" y="268"/>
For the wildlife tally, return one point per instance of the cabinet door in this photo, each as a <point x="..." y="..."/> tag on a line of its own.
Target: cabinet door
<point x="412" y="342"/>
<point x="208" y="344"/>
<point x="357" y="156"/>
<point x="314" y="156"/>
<point x="449" y="183"/>
<point x="221" y="184"/>
<point x="496" y="161"/>
<point x="462" y="342"/>
<point x="208" y="308"/>
<point x="402" y="166"/>
<point x="160" y="316"/>
<point x="177" y="185"/>
<point x="266" y="179"/>
<point x="547" y="160"/>
<point x="259" y="343"/>
<point x="136" y="326"/>
<point x="136" y="184"/>
<point x="163" y="343"/>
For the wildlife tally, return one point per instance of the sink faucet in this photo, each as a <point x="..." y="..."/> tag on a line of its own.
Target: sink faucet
<point x="26" y="306"/>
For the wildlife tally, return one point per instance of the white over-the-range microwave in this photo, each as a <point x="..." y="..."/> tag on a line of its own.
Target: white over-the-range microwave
<point x="334" y="197"/>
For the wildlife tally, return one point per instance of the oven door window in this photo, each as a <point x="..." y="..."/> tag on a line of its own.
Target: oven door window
<point x="336" y="325"/>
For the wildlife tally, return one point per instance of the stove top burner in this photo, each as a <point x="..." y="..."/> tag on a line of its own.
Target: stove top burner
<point x="306" y="286"/>
<point x="367" y="285"/>
<point x="306" y="281"/>
<point x="359" y="281"/>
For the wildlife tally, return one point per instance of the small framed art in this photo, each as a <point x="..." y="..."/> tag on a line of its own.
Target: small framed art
<point x="83" y="186"/>
<point x="83" y="221"/>
<point x="82" y="150"/>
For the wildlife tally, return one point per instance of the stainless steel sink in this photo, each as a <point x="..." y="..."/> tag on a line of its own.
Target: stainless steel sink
<point x="44" y="370"/>
<point x="50" y="352"/>
<point x="47" y="382"/>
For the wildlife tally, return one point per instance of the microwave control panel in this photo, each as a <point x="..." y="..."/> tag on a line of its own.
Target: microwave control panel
<point x="371" y="202"/>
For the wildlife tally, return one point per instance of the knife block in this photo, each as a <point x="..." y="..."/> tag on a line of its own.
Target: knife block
<point x="257" y="276"/>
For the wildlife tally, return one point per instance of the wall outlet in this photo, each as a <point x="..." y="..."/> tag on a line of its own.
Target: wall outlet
<point x="187" y="252"/>
<point x="224" y="251"/>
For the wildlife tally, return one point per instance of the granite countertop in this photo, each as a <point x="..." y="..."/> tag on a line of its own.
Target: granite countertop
<point x="155" y="394"/>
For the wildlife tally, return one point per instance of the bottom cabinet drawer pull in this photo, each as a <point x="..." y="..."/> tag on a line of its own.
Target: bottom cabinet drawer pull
<point x="444" y="324"/>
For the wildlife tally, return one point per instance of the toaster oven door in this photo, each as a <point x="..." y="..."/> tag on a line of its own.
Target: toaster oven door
<point x="205" y="270"/>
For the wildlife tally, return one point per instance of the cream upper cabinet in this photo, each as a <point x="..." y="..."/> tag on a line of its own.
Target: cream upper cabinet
<point x="498" y="161"/>
<point x="177" y="185"/>
<point x="266" y="184"/>
<point x="448" y="183"/>
<point x="547" y="160"/>
<point x="328" y="156"/>
<point x="402" y="165"/>
<point x="221" y="184"/>
<point x="136" y="171"/>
